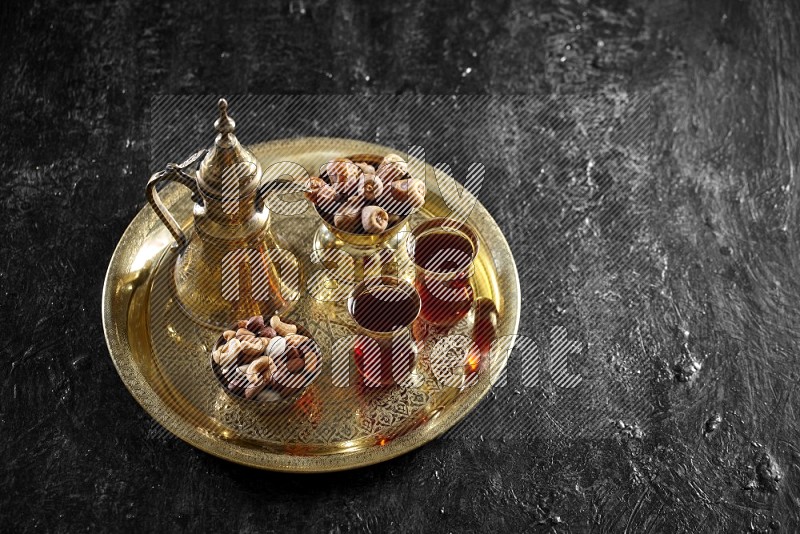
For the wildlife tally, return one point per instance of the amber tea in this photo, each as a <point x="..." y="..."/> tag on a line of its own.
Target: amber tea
<point x="385" y="309"/>
<point x="385" y="353"/>
<point x="443" y="251"/>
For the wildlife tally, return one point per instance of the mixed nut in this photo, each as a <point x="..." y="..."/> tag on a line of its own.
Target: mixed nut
<point x="358" y="198"/>
<point x="255" y="355"/>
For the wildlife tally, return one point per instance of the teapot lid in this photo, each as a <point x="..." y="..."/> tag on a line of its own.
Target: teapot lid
<point x="229" y="171"/>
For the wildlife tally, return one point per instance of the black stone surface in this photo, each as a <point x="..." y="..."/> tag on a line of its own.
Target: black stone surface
<point x="719" y="450"/>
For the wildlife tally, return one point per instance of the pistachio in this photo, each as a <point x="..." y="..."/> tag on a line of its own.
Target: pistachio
<point x="370" y="187"/>
<point x="228" y="334"/>
<point x="261" y="369"/>
<point x="255" y="323"/>
<point x="392" y="168"/>
<point x="348" y="215"/>
<point x="340" y="170"/>
<point x="276" y="347"/>
<point x="374" y="219"/>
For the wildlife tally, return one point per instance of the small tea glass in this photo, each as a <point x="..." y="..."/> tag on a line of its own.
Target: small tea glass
<point x="384" y="310"/>
<point x="443" y="251"/>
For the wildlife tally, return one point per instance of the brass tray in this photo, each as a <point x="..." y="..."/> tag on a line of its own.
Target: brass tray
<point x="162" y="356"/>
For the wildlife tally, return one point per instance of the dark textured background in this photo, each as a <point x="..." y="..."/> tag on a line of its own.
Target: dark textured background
<point x="720" y="449"/>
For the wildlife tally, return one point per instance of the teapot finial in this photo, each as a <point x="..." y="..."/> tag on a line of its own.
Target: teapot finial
<point x="224" y="124"/>
<point x="227" y="160"/>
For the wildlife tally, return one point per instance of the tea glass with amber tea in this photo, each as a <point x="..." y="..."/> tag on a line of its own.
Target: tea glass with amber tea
<point x="443" y="251"/>
<point x="384" y="310"/>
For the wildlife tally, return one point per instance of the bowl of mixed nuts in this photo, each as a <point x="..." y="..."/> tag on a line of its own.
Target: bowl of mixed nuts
<point x="365" y="199"/>
<point x="261" y="359"/>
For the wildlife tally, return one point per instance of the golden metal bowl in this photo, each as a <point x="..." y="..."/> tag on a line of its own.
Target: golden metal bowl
<point x="360" y="242"/>
<point x="270" y="394"/>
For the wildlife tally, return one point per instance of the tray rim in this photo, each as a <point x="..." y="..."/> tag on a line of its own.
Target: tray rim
<point x="121" y="353"/>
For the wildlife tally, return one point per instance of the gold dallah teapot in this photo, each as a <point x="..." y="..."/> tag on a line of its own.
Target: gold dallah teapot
<point x="225" y="267"/>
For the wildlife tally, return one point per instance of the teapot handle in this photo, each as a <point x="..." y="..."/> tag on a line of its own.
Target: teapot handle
<point x="173" y="173"/>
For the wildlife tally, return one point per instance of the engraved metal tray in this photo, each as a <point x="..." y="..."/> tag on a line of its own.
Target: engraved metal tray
<point x="163" y="357"/>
